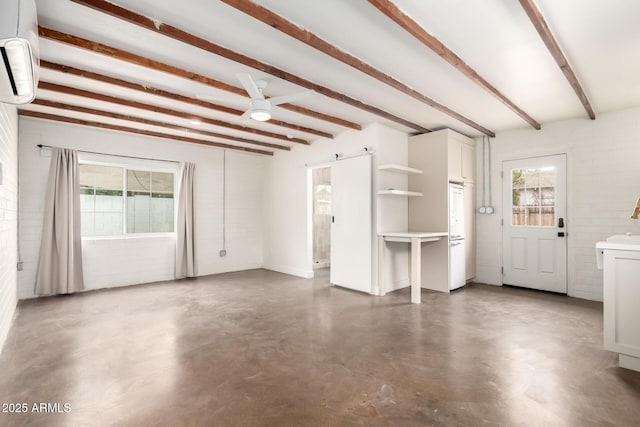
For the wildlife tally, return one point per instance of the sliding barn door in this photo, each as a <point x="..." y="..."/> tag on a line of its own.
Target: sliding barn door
<point x="351" y="227"/>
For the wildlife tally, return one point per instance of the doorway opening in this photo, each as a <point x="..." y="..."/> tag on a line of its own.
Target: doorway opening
<point x="321" y="217"/>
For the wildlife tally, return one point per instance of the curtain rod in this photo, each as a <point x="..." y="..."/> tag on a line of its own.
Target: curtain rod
<point x="114" y="155"/>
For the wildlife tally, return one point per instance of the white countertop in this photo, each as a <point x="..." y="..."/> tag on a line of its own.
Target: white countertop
<point x="410" y="234"/>
<point x="617" y="242"/>
<point x="621" y="242"/>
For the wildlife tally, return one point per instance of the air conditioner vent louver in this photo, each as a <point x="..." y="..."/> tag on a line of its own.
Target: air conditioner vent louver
<point x="19" y="49"/>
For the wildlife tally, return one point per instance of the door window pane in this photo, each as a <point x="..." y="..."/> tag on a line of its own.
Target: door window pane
<point x="533" y="197"/>
<point x="100" y="200"/>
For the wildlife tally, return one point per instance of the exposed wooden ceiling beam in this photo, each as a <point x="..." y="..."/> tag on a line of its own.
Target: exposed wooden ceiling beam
<point x="176" y="71"/>
<point x="79" y="109"/>
<point x="57" y="118"/>
<point x="279" y="23"/>
<point x="170" y="95"/>
<point x="392" y="11"/>
<point x="157" y="109"/>
<point x="183" y="36"/>
<point x="550" y="41"/>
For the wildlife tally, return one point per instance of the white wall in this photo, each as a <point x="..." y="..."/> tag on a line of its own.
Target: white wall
<point x="126" y="261"/>
<point x="603" y="182"/>
<point x="8" y="216"/>
<point x="287" y="243"/>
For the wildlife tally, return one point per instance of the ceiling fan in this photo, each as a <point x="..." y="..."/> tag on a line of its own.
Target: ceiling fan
<point x="259" y="106"/>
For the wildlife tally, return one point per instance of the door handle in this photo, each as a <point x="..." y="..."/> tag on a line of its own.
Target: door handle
<point x="560" y="222"/>
<point x="560" y="233"/>
<point x="455" y="243"/>
<point x="333" y="219"/>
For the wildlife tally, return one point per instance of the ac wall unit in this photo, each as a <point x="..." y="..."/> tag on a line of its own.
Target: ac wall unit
<point x="19" y="49"/>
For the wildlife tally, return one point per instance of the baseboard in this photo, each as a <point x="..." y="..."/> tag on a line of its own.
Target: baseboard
<point x="591" y="296"/>
<point x="208" y="272"/>
<point x="399" y="284"/>
<point x="307" y="274"/>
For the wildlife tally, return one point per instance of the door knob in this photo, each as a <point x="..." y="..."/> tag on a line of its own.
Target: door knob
<point x="560" y="222"/>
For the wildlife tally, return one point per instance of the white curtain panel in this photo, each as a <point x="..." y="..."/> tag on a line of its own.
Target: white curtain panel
<point x="186" y="264"/>
<point x="60" y="264"/>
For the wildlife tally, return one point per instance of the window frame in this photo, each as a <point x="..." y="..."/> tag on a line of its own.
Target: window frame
<point x="140" y="165"/>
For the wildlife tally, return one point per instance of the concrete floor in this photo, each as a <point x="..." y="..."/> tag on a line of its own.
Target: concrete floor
<point x="263" y="348"/>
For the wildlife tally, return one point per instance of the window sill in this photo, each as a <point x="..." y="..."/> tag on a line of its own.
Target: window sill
<point x="132" y="236"/>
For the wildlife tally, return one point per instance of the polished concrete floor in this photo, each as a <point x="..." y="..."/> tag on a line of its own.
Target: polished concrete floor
<point x="263" y="348"/>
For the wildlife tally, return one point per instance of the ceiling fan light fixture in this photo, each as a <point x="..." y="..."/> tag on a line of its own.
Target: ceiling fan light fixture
<point x="260" y="115"/>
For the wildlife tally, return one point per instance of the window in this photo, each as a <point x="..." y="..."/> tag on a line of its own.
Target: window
<point x="147" y="208"/>
<point x="533" y="197"/>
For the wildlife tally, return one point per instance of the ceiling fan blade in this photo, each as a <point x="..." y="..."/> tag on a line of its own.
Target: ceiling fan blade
<point x="246" y="115"/>
<point x="250" y="86"/>
<point x="281" y="112"/>
<point x="208" y="98"/>
<point x="285" y="99"/>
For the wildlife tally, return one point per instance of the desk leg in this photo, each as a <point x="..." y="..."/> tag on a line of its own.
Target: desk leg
<point x="381" y="273"/>
<point x="416" y="264"/>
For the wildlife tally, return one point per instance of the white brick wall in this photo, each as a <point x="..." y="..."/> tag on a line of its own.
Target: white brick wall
<point x="8" y="216"/>
<point x="119" y="262"/>
<point x="603" y="182"/>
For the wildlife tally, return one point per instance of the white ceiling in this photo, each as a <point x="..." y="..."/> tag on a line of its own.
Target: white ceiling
<point x="601" y="39"/>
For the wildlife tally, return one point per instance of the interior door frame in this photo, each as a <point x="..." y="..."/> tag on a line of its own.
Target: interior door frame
<point x="309" y="186"/>
<point x="568" y="200"/>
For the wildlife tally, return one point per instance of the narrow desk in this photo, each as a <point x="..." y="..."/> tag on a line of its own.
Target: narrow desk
<point x="415" y="238"/>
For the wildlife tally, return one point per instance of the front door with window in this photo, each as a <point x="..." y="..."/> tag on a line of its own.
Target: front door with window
<point x="534" y="233"/>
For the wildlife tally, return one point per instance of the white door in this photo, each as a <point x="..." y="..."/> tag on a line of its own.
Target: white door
<point x="351" y="227"/>
<point x="534" y="232"/>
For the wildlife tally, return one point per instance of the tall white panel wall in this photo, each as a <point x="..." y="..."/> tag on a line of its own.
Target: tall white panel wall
<point x="8" y="216"/>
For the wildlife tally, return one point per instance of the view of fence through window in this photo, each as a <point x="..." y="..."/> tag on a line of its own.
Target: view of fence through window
<point x="149" y="203"/>
<point x="533" y="197"/>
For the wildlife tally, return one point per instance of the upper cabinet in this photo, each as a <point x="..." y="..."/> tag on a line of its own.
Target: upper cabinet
<point x="461" y="157"/>
<point x="443" y="156"/>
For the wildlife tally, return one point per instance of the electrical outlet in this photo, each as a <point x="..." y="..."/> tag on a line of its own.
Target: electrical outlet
<point x="20" y="265"/>
<point x="223" y="253"/>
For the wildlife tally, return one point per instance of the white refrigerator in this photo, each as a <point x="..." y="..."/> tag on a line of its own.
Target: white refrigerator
<point x="456" y="236"/>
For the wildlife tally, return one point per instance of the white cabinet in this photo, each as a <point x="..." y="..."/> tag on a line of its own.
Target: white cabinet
<point x="461" y="158"/>
<point x="622" y="298"/>
<point x="468" y="166"/>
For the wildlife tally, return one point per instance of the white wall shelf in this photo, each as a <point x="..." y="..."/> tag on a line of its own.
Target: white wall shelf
<point x="399" y="193"/>
<point x="392" y="167"/>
